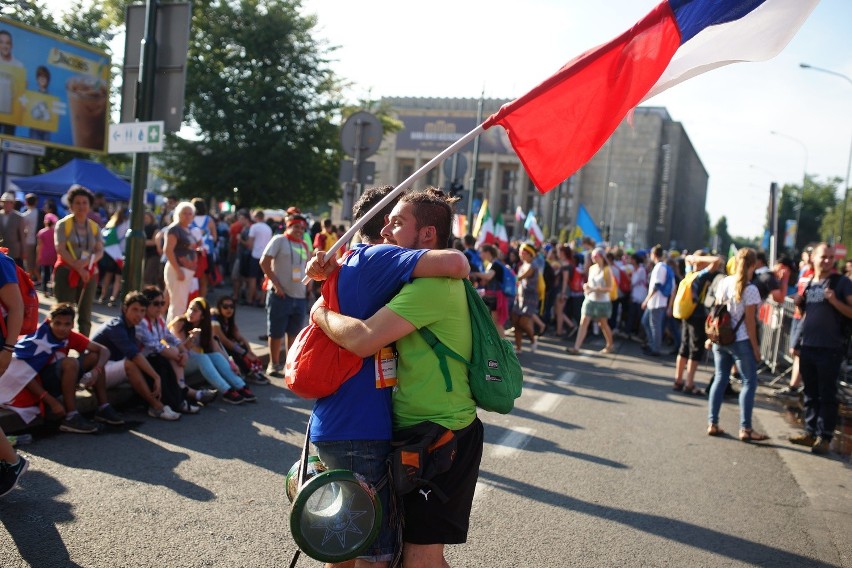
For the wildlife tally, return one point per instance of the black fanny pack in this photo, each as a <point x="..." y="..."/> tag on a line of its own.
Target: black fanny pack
<point x="420" y="453"/>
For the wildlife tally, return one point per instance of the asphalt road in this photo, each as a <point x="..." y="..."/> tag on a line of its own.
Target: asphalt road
<point x="600" y="464"/>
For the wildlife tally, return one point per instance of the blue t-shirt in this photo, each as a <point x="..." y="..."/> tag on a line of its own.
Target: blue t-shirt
<point x="369" y="278"/>
<point x="119" y="338"/>
<point x="8" y="275"/>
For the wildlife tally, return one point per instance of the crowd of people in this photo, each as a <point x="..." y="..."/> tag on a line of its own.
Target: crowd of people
<point x="387" y="284"/>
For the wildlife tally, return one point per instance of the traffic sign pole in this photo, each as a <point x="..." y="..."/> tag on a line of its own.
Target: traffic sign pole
<point x="144" y="104"/>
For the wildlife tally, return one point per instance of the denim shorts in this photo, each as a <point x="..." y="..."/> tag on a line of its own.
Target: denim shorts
<point x="367" y="458"/>
<point x="285" y="315"/>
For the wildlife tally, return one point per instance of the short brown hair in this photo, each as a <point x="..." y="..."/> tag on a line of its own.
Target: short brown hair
<point x="62" y="309"/>
<point x="433" y="208"/>
<point x="372" y="229"/>
<point x="78" y="189"/>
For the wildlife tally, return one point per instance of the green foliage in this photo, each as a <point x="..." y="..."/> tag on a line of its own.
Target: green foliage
<point x="381" y="109"/>
<point x="262" y="99"/>
<point x="818" y="199"/>
<point x="721" y="230"/>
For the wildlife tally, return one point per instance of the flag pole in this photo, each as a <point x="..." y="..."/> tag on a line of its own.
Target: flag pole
<point x="408" y="182"/>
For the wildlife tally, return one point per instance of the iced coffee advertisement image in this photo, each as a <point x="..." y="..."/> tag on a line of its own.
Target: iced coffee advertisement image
<point x="53" y="90"/>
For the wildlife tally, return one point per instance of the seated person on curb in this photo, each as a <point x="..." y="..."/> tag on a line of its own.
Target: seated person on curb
<point x="352" y="429"/>
<point x="46" y="352"/>
<point x="228" y="334"/>
<point x="206" y="354"/>
<point x="127" y="362"/>
<point x="423" y="220"/>
<point x="160" y="343"/>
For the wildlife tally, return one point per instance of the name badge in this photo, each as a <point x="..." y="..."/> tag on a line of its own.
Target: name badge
<point x="386" y="367"/>
<point x="298" y="273"/>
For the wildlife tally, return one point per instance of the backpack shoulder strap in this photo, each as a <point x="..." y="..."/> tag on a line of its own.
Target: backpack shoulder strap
<point x="442" y="352"/>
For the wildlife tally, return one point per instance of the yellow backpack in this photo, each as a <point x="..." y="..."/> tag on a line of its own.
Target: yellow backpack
<point x="613" y="285"/>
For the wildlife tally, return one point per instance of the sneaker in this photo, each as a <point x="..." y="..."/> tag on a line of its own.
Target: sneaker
<point x="78" y="425"/>
<point x="257" y="379"/>
<point x="533" y="346"/>
<point x="108" y="415"/>
<point x="275" y="370"/>
<point x="10" y="474"/>
<point x="207" y="396"/>
<point x="165" y="413"/>
<point x="187" y="408"/>
<point x="233" y="397"/>
<point x="821" y="446"/>
<point x="789" y="392"/>
<point x="247" y="395"/>
<point x="806" y="439"/>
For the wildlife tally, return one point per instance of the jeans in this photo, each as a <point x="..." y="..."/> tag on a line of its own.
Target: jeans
<point x="367" y="458"/>
<point x="725" y="356"/>
<point x="820" y="370"/>
<point x="653" y="320"/>
<point x="215" y="369"/>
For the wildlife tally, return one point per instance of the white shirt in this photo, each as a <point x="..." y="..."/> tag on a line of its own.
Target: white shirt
<point x="639" y="285"/>
<point x="658" y="275"/>
<point x="30" y="221"/>
<point x="262" y="234"/>
<point x="751" y="297"/>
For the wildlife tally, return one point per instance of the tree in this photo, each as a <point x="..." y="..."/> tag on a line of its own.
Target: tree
<point x="817" y="199"/>
<point x="262" y="100"/>
<point x="830" y="228"/>
<point x="721" y="231"/>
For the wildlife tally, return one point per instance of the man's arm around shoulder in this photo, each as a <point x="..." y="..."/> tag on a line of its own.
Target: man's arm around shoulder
<point x="450" y="263"/>
<point x="362" y="337"/>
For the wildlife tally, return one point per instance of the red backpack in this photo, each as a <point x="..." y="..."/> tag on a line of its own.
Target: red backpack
<point x="624" y="281"/>
<point x="576" y="282"/>
<point x="30" y="300"/>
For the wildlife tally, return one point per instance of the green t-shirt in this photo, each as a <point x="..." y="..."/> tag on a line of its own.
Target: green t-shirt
<point x="421" y="394"/>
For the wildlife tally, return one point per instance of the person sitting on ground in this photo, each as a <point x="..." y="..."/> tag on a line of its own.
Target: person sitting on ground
<point x="46" y="352"/>
<point x="206" y="354"/>
<point x="160" y="345"/>
<point x="226" y="331"/>
<point x="127" y="362"/>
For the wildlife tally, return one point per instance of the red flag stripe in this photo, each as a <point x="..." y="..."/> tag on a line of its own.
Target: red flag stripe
<point x="589" y="97"/>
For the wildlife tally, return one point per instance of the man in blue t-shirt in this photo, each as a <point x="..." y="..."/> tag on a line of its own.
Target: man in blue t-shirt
<point x="352" y="428"/>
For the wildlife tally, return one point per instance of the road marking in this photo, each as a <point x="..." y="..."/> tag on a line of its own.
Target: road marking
<point x="546" y="403"/>
<point x="568" y="377"/>
<point x="282" y="398"/>
<point x="511" y="442"/>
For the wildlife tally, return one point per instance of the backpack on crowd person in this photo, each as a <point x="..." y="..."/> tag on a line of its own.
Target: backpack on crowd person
<point x="509" y="285"/>
<point x="686" y="300"/>
<point x="669" y="284"/>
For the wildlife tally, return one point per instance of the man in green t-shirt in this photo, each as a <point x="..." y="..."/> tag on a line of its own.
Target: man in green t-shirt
<point x="424" y="220"/>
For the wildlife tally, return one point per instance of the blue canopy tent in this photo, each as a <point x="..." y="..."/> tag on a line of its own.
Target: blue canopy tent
<point x="85" y="172"/>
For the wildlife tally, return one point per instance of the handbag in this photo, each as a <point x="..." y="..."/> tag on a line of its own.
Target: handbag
<point x="316" y="366"/>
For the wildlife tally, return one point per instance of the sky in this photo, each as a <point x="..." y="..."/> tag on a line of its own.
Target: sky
<point x="452" y="48"/>
<point x="457" y="48"/>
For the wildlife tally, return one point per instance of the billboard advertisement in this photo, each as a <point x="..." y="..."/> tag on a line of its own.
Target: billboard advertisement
<point x="53" y="91"/>
<point x="434" y="132"/>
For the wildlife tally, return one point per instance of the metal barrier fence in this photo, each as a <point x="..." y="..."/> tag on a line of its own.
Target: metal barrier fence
<point x="776" y="321"/>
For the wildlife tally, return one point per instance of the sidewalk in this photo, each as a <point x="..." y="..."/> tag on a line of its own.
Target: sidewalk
<point x="251" y="321"/>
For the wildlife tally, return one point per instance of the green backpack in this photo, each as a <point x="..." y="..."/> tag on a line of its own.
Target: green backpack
<point x="494" y="371"/>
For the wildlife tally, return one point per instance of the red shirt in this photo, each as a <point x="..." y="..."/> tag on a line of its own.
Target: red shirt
<point x="234" y="234"/>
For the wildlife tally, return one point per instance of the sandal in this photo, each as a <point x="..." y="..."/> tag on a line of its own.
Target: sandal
<point x="693" y="390"/>
<point x="572" y="350"/>
<point x="749" y="435"/>
<point x="714" y="430"/>
<point x="608" y="349"/>
<point x="678" y="386"/>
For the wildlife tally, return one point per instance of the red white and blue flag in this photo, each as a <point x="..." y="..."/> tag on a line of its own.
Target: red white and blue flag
<point x="559" y="125"/>
<point x="31" y="354"/>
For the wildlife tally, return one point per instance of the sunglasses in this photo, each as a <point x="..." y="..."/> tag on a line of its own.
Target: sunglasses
<point x="227" y="306"/>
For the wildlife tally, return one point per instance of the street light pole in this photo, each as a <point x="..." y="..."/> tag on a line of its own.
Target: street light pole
<point x="804" y="180"/>
<point x="849" y="161"/>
